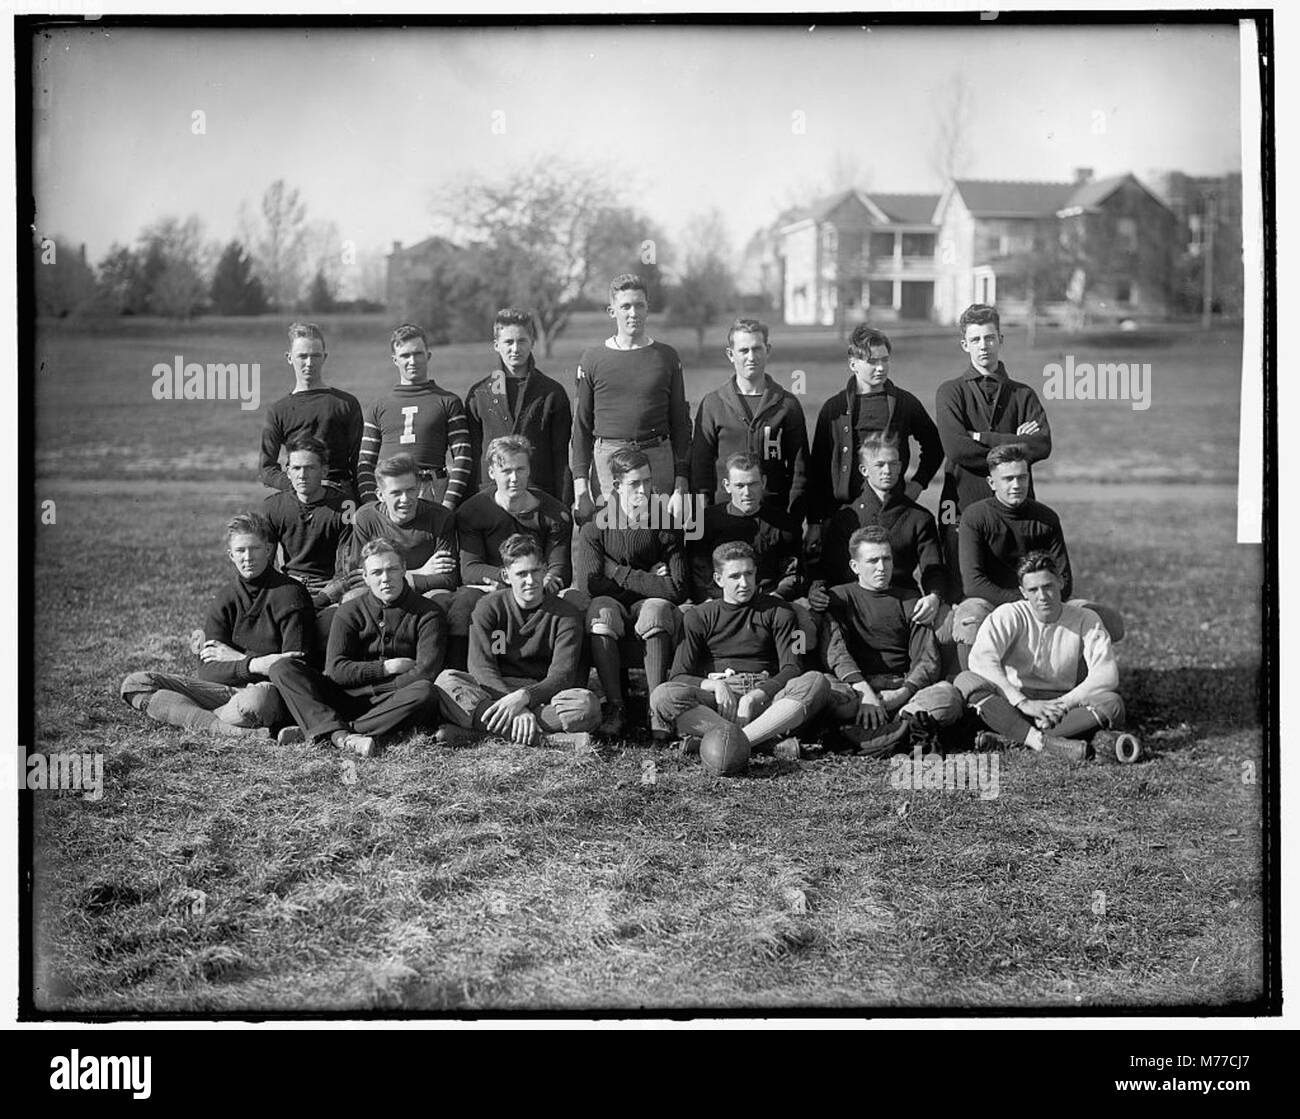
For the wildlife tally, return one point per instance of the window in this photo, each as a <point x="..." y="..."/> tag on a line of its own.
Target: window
<point x="880" y="293"/>
<point x="1126" y="230"/>
<point x="1123" y="291"/>
<point x="830" y="242"/>
<point x="882" y="244"/>
<point x="918" y="244"/>
<point x="851" y="242"/>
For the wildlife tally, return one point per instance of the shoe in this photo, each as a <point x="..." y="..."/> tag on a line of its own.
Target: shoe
<point x="1116" y="747"/>
<point x="363" y="745"/>
<point x="614" y="724"/>
<point x="449" y="734"/>
<point x="1072" y="750"/>
<point x="923" y="733"/>
<point x="577" y="741"/>
<point x="788" y="749"/>
<point x="292" y="735"/>
<point x="688" y="745"/>
<point x="989" y="741"/>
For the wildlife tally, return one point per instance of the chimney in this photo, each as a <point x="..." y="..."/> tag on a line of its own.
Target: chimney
<point x="397" y="247"/>
<point x="1082" y="175"/>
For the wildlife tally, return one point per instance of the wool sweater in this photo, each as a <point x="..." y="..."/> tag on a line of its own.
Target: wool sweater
<point x="269" y="614"/>
<point x="616" y="563"/>
<point x="867" y="633"/>
<point x="483" y="526"/>
<point x="332" y="416"/>
<point x="993" y="538"/>
<point x="542" y="644"/>
<point x="366" y="632"/>
<point x="754" y="636"/>
<point x="778" y="549"/>
<point x="913" y="536"/>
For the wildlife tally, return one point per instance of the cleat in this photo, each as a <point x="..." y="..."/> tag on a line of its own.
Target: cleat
<point x="578" y="741"/>
<point x="788" y="749"/>
<point x="689" y="745"/>
<point x="1072" y="750"/>
<point x="291" y="735"/>
<point x="449" y="734"/>
<point x="988" y="741"/>
<point x="614" y="724"/>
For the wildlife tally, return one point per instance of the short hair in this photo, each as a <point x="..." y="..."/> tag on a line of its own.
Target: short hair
<point x="746" y="326"/>
<point x="864" y="337"/>
<point x="876" y="441"/>
<point x="404" y="334"/>
<point x="305" y="330"/>
<point x="514" y="316"/>
<point x="1005" y="453"/>
<point x="732" y="550"/>
<point x="1037" y="561"/>
<point x="743" y="460"/>
<point x="625" y="460"/>
<point x="311" y="445"/>
<point x="504" y="445"/>
<point x="627" y="281"/>
<point x="250" y="524"/>
<point x="979" y="314"/>
<point x="869" y="534"/>
<point x="380" y="546"/>
<point x="397" y="466"/>
<point x="520" y="546"/>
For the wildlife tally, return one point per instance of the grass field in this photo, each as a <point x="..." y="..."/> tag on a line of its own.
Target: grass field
<point x="216" y="877"/>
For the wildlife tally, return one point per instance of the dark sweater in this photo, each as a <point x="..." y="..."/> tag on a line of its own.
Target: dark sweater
<point x="365" y="633"/>
<point x="483" y="526"/>
<point x="616" y="562"/>
<point x="833" y="475"/>
<point x="424" y="421"/>
<point x="542" y="644"/>
<point x="316" y="536"/>
<point x="778" y="549"/>
<point x="630" y="394"/>
<point x="774" y="429"/>
<point x="993" y="538"/>
<point x="756" y="636"/>
<point x="541" y="413"/>
<point x="432" y="529"/>
<point x="269" y="614"/>
<point x="913" y="537"/>
<point x="960" y="407"/>
<point x="866" y="633"/>
<point x="332" y="416"/>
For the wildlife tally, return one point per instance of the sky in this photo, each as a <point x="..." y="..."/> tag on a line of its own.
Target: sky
<point x="370" y="124"/>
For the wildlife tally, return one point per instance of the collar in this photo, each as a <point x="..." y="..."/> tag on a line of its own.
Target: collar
<point x="999" y="374"/>
<point x="612" y="344"/>
<point x="851" y="389"/>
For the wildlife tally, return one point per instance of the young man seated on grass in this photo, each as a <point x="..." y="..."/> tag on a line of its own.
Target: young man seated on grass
<point x="258" y="620"/>
<point x="524" y="648"/>
<point x="519" y="399"/>
<point x="422" y="419"/>
<point x="773" y="535"/>
<point x="629" y="572"/>
<point x="312" y="525"/>
<point x="884" y="661"/>
<point x="385" y="649"/>
<point x="739" y="663"/>
<point x="1042" y="673"/>
<point x="422" y="531"/>
<point x="751" y="412"/>
<point x="489" y="518"/>
<point x="996" y="534"/>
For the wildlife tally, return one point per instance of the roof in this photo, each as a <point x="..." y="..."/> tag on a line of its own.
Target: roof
<point x="1089" y="195"/>
<point x="988" y="198"/>
<point x="907" y="208"/>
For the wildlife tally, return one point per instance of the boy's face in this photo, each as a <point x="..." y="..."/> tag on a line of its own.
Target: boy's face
<point x="385" y="575"/>
<point x="872" y="370"/>
<point x="510" y="473"/>
<point x="634" y="490"/>
<point x="307" y="357"/>
<point x="982" y="343"/>
<point x="527" y="580"/>
<point x="400" y="497"/>
<point x="412" y="361"/>
<point x="1010" y="483"/>
<point x="306" y="473"/>
<point x="1042" y="590"/>
<point x="249" y="553"/>
<point x="745" y="488"/>
<point x="748" y="354"/>
<point x="882" y="469"/>
<point x="629" y="309"/>
<point x="738" y="580"/>
<point x="873" y="564"/>
<point x="513" y="344"/>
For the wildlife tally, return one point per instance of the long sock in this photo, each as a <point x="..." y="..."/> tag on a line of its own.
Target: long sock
<point x="457" y="653"/>
<point x="181" y="711"/>
<point x="963" y="656"/>
<point x="604" y="651"/>
<point x="1078" y="722"/>
<point x="658" y="654"/>
<point x="783" y="716"/>
<point x="1000" y="716"/>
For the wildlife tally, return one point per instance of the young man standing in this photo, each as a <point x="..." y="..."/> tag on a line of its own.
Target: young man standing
<point x="524" y="650"/>
<point x="418" y="418"/>
<point x="981" y="409"/>
<point x="519" y="399"/>
<point x="629" y="571"/>
<point x="751" y="413"/>
<point x="312" y="408"/>
<point x="738" y="663"/>
<point x="262" y="618"/>
<point x="1042" y="665"/>
<point x="870" y="402"/>
<point x="884" y="662"/>
<point x="385" y="649"/>
<point x="631" y="393"/>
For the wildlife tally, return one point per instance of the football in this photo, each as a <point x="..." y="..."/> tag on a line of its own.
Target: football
<point x="725" y="751"/>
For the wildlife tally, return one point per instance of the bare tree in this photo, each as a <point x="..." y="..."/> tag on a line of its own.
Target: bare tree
<point x="707" y="288"/>
<point x="953" y="109"/>
<point x="277" y="235"/>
